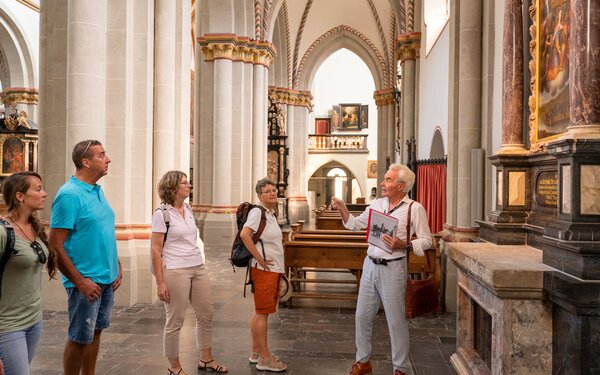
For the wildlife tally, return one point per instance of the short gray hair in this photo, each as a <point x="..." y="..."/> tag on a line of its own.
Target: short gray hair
<point x="82" y="151"/>
<point x="262" y="183"/>
<point x="405" y="175"/>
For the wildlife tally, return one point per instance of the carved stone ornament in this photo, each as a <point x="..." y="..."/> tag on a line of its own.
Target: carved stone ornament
<point x="408" y="46"/>
<point x="236" y="48"/>
<point x="291" y="97"/>
<point x="14" y="95"/>
<point x="13" y="121"/>
<point x="384" y="97"/>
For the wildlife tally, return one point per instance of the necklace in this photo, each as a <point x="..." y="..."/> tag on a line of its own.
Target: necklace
<point x="22" y="231"/>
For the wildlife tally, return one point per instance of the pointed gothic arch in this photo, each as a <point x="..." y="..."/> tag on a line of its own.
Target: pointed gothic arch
<point x="437" y="150"/>
<point x="339" y="37"/>
<point x="16" y="60"/>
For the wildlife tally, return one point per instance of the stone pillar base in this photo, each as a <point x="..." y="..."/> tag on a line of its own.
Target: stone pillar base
<point x="298" y="209"/>
<point x="582" y="132"/>
<point x="504" y="322"/>
<point x="576" y="323"/>
<point x="217" y="229"/>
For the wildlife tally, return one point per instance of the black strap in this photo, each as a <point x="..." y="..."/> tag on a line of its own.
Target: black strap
<point x="167" y="220"/>
<point x="408" y="233"/>
<point x="9" y="248"/>
<point x="394" y="209"/>
<point x="261" y="225"/>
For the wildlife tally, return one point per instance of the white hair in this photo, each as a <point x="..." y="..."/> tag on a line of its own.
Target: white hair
<point x="405" y="175"/>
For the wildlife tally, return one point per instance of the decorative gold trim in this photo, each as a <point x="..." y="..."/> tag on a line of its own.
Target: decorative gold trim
<point x="14" y="95"/>
<point x="384" y="97"/>
<point x="408" y="46"/>
<point x="236" y="48"/>
<point x="291" y="97"/>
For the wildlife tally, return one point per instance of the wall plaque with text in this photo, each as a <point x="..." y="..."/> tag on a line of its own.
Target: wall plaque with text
<point x="546" y="189"/>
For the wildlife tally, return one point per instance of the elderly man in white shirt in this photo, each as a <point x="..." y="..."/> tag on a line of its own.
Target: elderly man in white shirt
<point x="384" y="275"/>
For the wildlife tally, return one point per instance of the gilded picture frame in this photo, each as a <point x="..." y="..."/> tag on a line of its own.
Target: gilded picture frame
<point x="549" y="68"/>
<point x="350" y="116"/>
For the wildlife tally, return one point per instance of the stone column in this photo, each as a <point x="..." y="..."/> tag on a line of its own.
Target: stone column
<point x="259" y="123"/>
<point x="299" y="103"/>
<point x="512" y="83"/>
<point x="469" y="103"/>
<point x="26" y="155"/>
<point x="408" y="46"/>
<point x="165" y="12"/>
<point x="230" y="129"/>
<point x="384" y="99"/>
<point x="584" y="70"/>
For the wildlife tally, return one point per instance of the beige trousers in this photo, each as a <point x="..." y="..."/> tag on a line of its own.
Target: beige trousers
<point x="187" y="285"/>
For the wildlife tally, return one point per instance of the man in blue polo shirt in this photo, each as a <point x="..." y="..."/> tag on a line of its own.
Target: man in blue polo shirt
<point x="82" y="230"/>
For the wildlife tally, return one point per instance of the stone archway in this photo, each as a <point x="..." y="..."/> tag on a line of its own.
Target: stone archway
<point x="339" y="37"/>
<point x="18" y="70"/>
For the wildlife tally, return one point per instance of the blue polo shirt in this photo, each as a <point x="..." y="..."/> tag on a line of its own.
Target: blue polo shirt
<point x="91" y="244"/>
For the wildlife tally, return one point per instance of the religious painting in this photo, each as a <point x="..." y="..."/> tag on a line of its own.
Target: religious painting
<point x="552" y="70"/>
<point x="372" y="169"/>
<point x="335" y="118"/>
<point x="350" y="116"/>
<point x="322" y="125"/>
<point x="13" y="159"/>
<point x="364" y="116"/>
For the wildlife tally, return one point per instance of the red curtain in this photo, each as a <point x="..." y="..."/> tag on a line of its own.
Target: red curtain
<point x="431" y="193"/>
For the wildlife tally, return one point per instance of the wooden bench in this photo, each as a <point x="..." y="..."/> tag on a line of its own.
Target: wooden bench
<point x="311" y="256"/>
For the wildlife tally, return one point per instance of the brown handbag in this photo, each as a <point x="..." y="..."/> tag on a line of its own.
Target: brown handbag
<point x="422" y="296"/>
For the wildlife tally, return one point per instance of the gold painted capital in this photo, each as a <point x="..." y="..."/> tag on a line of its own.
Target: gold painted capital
<point x="408" y="46"/>
<point x="13" y="95"/>
<point x="236" y="48"/>
<point x="291" y="97"/>
<point x="384" y="97"/>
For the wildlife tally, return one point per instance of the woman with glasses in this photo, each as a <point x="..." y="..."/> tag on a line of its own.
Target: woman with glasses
<point x="20" y="301"/>
<point x="181" y="276"/>
<point x="266" y="269"/>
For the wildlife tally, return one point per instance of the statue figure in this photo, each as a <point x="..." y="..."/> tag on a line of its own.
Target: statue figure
<point x="14" y="120"/>
<point x="280" y="119"/>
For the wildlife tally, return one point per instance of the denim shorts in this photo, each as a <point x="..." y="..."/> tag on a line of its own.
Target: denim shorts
<point x="86" y="317"/>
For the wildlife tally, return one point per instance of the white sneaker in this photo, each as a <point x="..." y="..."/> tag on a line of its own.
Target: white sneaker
<point x="253" y="358"/>
<point x="271" y="364"/>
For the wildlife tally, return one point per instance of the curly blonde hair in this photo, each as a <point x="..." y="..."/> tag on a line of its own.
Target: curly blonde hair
<point x="168" y="186"/>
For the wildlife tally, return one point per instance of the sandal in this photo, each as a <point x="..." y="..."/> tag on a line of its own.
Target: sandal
<point x="218" y="367"/>
<point x="170" y="372"/>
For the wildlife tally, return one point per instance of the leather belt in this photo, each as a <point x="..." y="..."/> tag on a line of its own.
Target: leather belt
<point x="383" y="261"/>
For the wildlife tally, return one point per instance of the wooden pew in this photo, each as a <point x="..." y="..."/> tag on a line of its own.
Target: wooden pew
<point x="311" y="256"/>
<point x="318" y="252"/>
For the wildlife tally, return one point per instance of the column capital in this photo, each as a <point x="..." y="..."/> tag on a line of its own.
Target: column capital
<point x="384" y="97"/>
<point x="14" y="95"/>
<point x="236" y="48"/>
<point x="291" y="97"/>
<point x="408" y="46"/>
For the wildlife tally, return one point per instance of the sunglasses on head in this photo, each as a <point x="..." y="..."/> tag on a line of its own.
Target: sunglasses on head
<point x="39" y="251"/>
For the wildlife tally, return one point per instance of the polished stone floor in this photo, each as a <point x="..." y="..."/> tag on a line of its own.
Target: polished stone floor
<point x="314" y="337"/>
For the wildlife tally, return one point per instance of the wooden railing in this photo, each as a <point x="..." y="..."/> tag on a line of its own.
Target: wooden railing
<point x="337" y="142"/>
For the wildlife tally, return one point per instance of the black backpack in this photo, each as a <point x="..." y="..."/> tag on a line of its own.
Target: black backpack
<point x="240" y="255"/>
<point x="9" y="248"/>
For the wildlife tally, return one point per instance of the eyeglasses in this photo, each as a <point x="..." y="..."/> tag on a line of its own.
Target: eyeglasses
<point x="86" y="148"/>
<point x="39" y="251"/>
<point x="272" y="191"/>
<point x="186" y="183"/>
